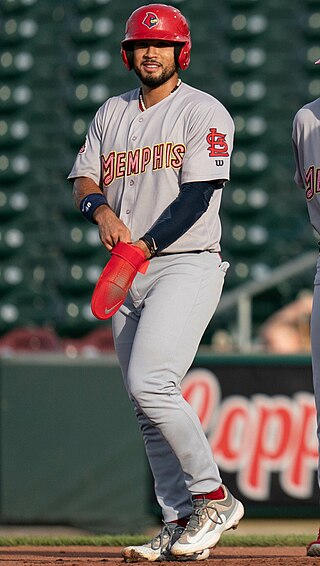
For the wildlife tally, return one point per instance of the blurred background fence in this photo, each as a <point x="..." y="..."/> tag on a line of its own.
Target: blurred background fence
<point x="60" y="60"/>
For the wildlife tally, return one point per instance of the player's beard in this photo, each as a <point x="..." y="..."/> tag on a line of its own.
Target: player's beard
<point x="153" y="82"/>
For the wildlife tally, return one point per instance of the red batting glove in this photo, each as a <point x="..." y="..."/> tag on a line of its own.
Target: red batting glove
<point x="116" y="279"/>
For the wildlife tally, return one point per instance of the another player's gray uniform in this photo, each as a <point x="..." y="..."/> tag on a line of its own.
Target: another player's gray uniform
<point x="306" y="145"/>
<point x="140" y="159"/>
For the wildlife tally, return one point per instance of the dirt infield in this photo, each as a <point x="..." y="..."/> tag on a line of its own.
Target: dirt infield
<point x="221" y="556"/>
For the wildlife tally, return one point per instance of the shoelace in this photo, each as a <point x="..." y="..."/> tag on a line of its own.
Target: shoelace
<point x="200" y="508"/>
<point x="163" y="540"/>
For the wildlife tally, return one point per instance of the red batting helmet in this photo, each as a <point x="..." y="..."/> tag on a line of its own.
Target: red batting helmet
<point x="157" y="21"/>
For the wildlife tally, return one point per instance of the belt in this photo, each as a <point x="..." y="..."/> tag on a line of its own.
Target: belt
<point x="189" y="252"/>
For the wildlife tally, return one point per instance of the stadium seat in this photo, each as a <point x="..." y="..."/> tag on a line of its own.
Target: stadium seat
<point x="12" y="240"/>
<point x="13" y="132"/>
<point x="25" y="307"/>
<point x="250" y="126"/>
<point x="29" y="340"/>
<point x="80" y="239"/>
<point x="246" y="238"/>
<point x="97" y="342"/>
<point x="244" y="25"/>
<point x="244" y="201"/>
<point x="308" y="55"/>
<point x="79" y="277"/>
<point x="39" y="230"/>
<point x="87" y="95"/>
<point x="313" y="89"/>
<point x="12" y="277"/>
<point x="15" y="62"/>
<point x="42" y="268"/>
<point x="17" y="30"/>
<point x="249" y="162"/>
<point x="246" y="59"/>
<point x="89" y="61"/>
<point x="100" y="338"/>
<point x="244" y="93"/>
<point x="12" y="203"/>
<point x="88" y="29"/>
<point x="77" y="318"/>
<point x="14" y="164"/>
<point x="75" y="129"/>
<point x="15" y="95"/>
<point x="311" y="24"/>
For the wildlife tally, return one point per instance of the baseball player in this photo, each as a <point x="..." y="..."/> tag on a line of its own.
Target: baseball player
<point x="306" y="142"/>
<point x="150" y="175"/>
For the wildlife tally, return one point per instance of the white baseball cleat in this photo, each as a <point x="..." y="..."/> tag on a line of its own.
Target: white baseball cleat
<point x="313" y="548"/>
<point x="209" y="519"/>
<point x="158" y="549"/>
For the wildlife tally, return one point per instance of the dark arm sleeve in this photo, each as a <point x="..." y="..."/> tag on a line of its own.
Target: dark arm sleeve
<point x="191" y="202"/>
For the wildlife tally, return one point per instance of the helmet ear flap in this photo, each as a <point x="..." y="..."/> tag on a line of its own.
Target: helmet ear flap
<point x="183" y="55"/>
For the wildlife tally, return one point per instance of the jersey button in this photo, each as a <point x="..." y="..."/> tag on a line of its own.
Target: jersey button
<point x="131" y="182"/>
<point x="134" y="138"/>
<point x="128" y="211"/>
<point x="140" y="119"/>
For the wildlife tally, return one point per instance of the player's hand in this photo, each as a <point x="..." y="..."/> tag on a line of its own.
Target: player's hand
<point x="111" y="229"/>
<point x="115" y="280"/>
<point x="142" y="246"/>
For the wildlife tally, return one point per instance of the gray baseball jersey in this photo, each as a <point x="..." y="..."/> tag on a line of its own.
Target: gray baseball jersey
<point x="306" y="143"/>
<point x="140" y="159"/>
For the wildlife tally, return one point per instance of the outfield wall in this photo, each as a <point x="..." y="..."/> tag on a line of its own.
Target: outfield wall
<point x="71" y="452"/>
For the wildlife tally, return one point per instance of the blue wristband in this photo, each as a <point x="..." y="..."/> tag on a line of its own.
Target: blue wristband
<point x="90" y="203"/>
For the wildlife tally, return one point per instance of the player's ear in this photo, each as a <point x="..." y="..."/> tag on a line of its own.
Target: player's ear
<point x="129" y="53"/>
<point x="177" y="51"/>
<point x="127" y="56"/>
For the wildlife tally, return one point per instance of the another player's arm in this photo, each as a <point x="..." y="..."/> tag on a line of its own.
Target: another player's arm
<point x="87" y="194"/>
<point x="191" y="203"/>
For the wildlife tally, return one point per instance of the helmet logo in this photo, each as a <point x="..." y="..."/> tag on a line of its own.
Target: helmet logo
<point x="150" y="20"/>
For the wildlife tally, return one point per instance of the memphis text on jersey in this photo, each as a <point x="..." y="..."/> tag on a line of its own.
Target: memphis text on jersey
<point x="161" y="156"/>
<point x="126" y="163"/>
<point x="312" y="182"/>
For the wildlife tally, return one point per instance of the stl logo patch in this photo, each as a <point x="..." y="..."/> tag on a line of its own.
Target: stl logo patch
<point x="218" y="146"/>
<point x="150" y="20"/>
<point x="84" y="147"/>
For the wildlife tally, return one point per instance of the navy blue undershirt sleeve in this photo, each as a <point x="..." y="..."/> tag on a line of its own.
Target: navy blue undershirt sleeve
<point x="190" y="204"/>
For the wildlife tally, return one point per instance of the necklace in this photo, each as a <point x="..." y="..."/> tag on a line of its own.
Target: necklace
<point x="141" y="102"/>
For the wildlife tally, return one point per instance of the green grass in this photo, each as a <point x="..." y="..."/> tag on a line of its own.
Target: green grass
<point x="125" y="540"/>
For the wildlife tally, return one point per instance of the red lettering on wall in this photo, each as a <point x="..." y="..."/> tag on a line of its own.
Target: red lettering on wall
<point x="258" y="436"/>
<point x="229" y="442"/>
<point x="203" y="393"/>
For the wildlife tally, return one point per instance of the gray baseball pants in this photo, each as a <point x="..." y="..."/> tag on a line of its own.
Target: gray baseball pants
<point x="157" y="332"/>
